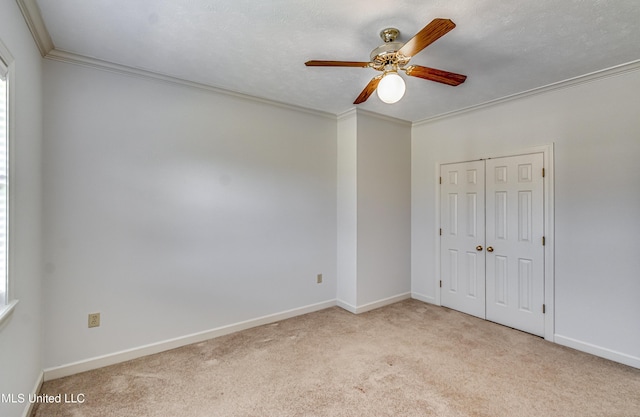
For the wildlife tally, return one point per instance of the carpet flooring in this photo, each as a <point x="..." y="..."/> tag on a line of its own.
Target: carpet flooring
<point x="406" y="359"/>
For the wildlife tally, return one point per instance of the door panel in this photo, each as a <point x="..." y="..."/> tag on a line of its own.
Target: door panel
<point x="462" y="222"/>
<point x="514" y="230"/>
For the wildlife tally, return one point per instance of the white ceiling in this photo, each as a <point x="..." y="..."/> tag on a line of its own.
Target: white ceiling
<point x="259" y="47"/>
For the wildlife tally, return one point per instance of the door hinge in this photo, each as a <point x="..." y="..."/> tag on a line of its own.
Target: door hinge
<point x="544" y="308"/>
<point x="440" y="283"/>
<point x="542" y="172"/>
<point x="543" y="241"/>
<point x="441" y="231"/>
<point x="440" y="180"/>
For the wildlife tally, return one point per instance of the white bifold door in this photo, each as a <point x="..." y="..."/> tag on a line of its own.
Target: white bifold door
<point x="462" y="238"/>
<point x="491" y="244"/>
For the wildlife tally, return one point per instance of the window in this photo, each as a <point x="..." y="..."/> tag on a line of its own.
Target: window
<point x="4" y="282"/>
<point x="7" y="303"/>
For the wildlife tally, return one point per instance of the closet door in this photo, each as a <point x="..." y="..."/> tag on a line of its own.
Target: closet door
<point x="514" y="242"/>
<point x="462" y="239"/>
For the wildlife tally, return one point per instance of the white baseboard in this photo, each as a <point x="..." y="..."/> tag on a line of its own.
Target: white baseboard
<point x="129" y="354"/>
<point x="381" y="303"/>
<point x="350" y="308"/>
<point x="36" y="389"/>
<point x="372" y="306"/>
<point x="569" y="342"/>
<point x="423" y="298"/>
<point x="598" y="351"/>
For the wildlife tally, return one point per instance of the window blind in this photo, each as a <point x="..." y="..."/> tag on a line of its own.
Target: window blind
<point x="3" y="184"/>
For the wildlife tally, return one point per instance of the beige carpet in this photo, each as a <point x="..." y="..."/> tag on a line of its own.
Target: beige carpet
<point x="407" y="359"/>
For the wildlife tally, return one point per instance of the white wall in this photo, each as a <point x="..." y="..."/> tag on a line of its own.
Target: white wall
<point x="172" y="210"/>
<point x="374" y="210"/>
<point x="20" y="335"/>
<point x="347" y="186"/>
<point x="595" y="127"/>
<point x="384" y="208"/>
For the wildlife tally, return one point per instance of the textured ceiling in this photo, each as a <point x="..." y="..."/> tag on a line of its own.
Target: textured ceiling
<point x="259" y="47"/>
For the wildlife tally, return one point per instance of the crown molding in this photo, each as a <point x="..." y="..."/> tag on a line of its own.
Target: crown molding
<point x="384" y="117"/>
<point x="33" y="17"/>
<point x="571" y="82"/>
<point x="81" y="60"/>
<point x="361" y="112"/>
<point x="346" y="114"/>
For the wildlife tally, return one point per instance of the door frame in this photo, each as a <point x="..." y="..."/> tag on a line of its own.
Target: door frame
<point x="549" y="231"/>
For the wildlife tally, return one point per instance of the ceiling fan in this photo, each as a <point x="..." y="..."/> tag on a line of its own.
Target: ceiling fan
<point x="393" y="56"/>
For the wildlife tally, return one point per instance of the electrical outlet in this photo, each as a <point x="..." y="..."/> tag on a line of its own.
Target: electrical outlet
<point x="319" y="279"/>
<point x="94" y="319"/>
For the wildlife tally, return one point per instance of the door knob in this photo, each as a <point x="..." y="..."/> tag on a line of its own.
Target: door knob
<point x="479" y="248"/>
<point x="490" y="249"/>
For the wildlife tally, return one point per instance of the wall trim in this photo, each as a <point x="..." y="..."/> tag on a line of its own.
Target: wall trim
<point x="36" y="389"/>
<point x="424" y="298"/>
<point x="98" y="64"/>
<point x="7" y="310"/>
<point x="384" y="117"/>
<point x="150" y="349"/>
<point x="569" y="342"/>
<point x="355" y="111"/>
<point x="346" y="306"/>
<point x="571" y="82"/>
<point x="373" y="305"/>
<point x="33" y="18"/>
<point x="381" y="303"/>
<point x="349" y="113"/>
<point x="600" y="351"/>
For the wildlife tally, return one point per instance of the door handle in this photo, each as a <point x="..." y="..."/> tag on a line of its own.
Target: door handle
<point x="490" y="249"/>
<point x="479" y="248"/>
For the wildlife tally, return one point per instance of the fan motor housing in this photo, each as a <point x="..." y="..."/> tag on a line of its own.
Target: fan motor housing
<point x="387" y="54"/>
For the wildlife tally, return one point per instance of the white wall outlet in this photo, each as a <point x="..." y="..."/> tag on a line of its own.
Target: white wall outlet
<point x="94" y="319"/>
<point x="319" y="278"/>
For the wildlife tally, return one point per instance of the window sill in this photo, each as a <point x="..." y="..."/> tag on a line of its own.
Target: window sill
<point x="6" y="311"/>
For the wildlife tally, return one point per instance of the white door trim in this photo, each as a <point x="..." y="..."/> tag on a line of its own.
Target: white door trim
<point x="549" y="231"/>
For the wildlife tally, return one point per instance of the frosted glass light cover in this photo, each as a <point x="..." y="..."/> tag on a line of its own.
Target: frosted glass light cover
<point x="391" y="88"/>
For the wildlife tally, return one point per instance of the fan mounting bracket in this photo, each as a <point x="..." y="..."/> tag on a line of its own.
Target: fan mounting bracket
<point x="389" y="34"/>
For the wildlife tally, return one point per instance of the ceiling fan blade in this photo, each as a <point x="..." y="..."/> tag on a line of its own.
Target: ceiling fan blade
<point x="368" y="90"/>
<point x="437" y="75"/>
<point x="316" y="63"/>
<point x="429" y="34"/>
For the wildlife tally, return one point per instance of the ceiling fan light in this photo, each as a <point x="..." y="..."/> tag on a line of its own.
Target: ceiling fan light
<point x="391" y="88"/>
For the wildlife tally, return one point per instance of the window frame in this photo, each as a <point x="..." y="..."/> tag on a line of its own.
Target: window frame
<point x="7" y="66"/>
